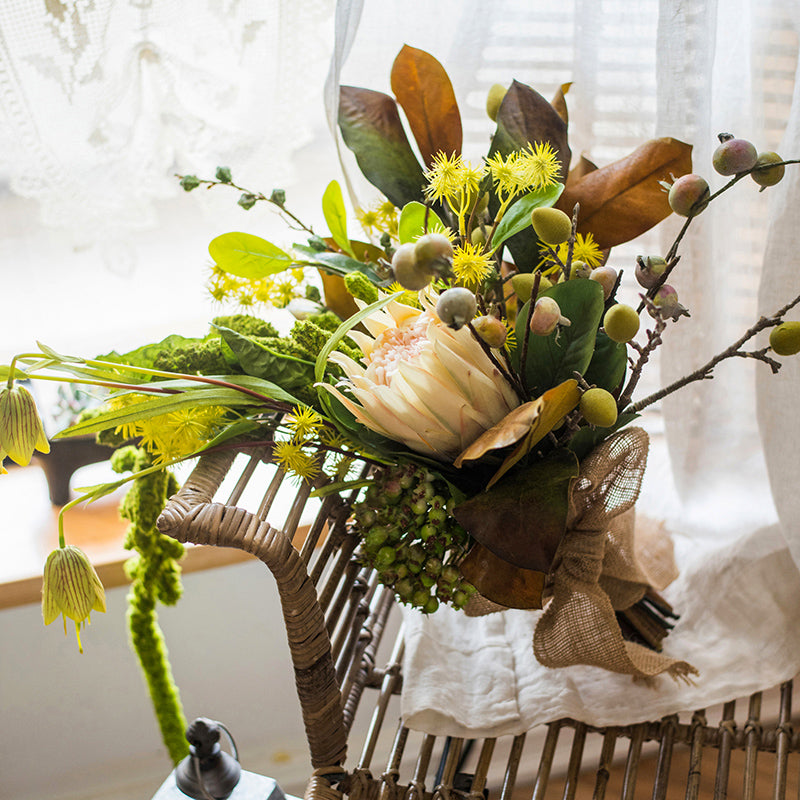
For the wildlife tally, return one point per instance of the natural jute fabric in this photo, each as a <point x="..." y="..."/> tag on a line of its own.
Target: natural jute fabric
<point x="596" y="571"/>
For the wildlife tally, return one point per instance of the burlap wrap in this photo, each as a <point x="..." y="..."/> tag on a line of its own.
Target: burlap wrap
<point x="596" y="571"/>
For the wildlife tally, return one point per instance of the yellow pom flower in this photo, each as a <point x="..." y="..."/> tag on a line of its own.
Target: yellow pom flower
<point x="71" y="588"/>
<point x="471" y="265"/>
<point x="291" y="457"/>
<point x="445" y="177"/>
<point x="507" y="176"/>
<point x="585" y="249"/>
<point x="304" y="423"/>
<point x="539" y="165"/>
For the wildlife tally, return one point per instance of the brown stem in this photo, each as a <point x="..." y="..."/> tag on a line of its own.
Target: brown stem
<point x="653" y="341"/>
<point x="734" y="351"/>
<point x="509" y="376"/>
<point x="571" y="244"/>
<point x="523" y="355"/>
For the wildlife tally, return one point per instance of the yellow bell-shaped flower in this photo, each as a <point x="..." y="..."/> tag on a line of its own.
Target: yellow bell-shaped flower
<point x="21" y="430"/>
<point x="71" y="587"/>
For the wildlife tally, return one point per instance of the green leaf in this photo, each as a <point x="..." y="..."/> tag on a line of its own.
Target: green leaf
<point x="371" y="128"/>
<point x="259" y="360"/>
<point x="5" y="371"/>
<point x="336" y="216"/>
<point x="145" y="355"/>
<point x="608" y="364"/>
<point x="248" y="256"/>
<point x="342" y="330"/>
<point x="164" y="404"/>
<point x="500" y="518"/>
<point x="417" y="219"/>
<point x="337" y="263"/>
<point x="555" y="358"/>
<point x="518" y="216"/>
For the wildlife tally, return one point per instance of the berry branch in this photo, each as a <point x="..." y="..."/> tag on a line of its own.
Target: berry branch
<point x="734" y="351"/>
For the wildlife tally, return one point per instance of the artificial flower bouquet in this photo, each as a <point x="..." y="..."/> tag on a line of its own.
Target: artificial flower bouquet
<point x="466" y="368"/>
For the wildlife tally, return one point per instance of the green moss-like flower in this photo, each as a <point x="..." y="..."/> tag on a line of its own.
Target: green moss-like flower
<point x="71" y="588"/>
<point x="361" y="287"/>
<point x="246" y="325"/>
<point x="21" y="430"/>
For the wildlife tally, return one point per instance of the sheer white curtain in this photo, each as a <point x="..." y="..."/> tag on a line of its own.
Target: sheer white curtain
<point x="101" y="102"/>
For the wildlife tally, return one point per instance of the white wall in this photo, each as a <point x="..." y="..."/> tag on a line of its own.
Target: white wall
<point x="81" y="726"/>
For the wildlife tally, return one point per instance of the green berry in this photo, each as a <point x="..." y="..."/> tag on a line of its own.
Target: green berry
<point x="767" y="171"/>
<point x="494" y="99"/>
<point x="551" y="225"/>
<point x="431" y="605"/>
<point x="456" y="307"/>
<point x="621" y="323"/>
<point x="491" y="330"/>
<point x="689" y="194"/>
<point x="278" y="196"/>
<point x="606" y="277"/>
<point x="522" y="284"/>
<point x="385" y="557"/>
<point x="579" y="269"/>
<point x="649" y="269"/>
<point x="407" y="271"/>
<point x="733" y="155"/>
<point x="599" y="407"/>
<point x="433" y="253"/>
<point x="785" y="339"/>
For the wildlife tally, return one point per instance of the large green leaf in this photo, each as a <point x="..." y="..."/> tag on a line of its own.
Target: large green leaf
<point x="555" y="358"/>
<point x="608" y="364"/>
<point x="337" y="263"/>
<point x="417" y="219"/>
<point x="336" y="215"/>
<point x="258" y="360"/>
<point x="164" y="404"/>
<point x="371" y="128"/>
<point x="523" y="517"/>
<point x="518" y="216"/>
<point x="248" y="256"/>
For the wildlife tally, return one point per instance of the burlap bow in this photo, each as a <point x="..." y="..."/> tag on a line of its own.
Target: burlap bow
<point x="596" y="572"/>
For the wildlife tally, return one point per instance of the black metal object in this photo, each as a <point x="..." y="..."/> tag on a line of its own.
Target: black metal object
<point x="208" y="772"/>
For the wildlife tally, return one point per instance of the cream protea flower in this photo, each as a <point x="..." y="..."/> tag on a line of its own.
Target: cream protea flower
<point x="424" y="384"/>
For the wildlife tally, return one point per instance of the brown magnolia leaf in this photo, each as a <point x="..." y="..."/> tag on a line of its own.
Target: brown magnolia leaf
<point x="621" y="201"/>
<point x="425" y="94"/>
<point x="555" y="403"/>
<point x="533" y="420"/>
<point x="501" y="582"/>
<point x="583" y="167"/>
<point x="525" y="117"/>
<point x="337" y="298"/>
<point x="523" y="518"/>
<point x="559" y="101"/>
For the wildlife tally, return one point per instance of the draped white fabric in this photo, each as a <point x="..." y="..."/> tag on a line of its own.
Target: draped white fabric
<point x="101" y="102"/>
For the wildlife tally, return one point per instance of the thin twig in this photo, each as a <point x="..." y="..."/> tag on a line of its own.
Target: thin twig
<point x="509" y="376"/>
<point x="734" y="351"/>
<point x="653" y="341"/>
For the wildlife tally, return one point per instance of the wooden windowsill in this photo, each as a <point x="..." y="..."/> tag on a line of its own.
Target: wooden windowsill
<point x="29" y="532"/>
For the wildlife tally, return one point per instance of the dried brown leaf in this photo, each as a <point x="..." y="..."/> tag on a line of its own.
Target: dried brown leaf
<point x="501" y="582"/>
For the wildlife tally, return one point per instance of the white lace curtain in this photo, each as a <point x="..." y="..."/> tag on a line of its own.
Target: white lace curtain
<point x="100" y="102"/>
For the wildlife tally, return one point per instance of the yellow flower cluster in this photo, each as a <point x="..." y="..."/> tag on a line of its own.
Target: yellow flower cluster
<point x="585" y="249"/>
<point x="380" y="218"/>
<point x="302" y="454"/>
<point x="273" y="290"/>
<point x="174" y="435"/>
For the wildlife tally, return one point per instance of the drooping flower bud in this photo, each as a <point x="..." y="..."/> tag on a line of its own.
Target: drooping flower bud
<point x="21" y="430"/>
<point x="71" y="588"/>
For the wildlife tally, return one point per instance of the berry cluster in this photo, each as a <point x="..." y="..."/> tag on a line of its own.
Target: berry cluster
<point x="411" y="540"/>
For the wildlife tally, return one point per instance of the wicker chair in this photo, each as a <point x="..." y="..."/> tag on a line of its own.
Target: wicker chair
<point x="336" y="614"/>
